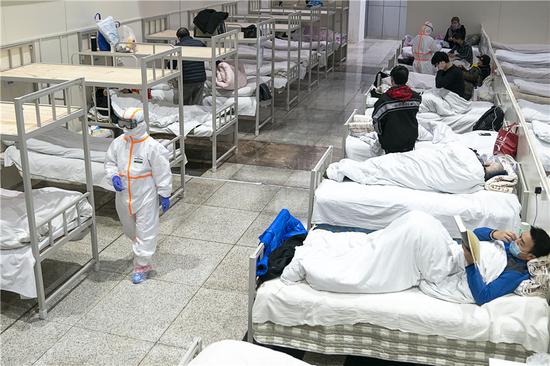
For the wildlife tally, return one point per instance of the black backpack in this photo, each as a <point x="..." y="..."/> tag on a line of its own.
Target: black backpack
<point x="250" y="31"/>
<point x="491" y="120"/>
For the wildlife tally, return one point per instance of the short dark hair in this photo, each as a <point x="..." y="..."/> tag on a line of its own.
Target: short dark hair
<point x="438" y="57"/>
<point x="400" y="75"/>
<point x="485" y="59"/>
<point x="459" y="35"/>
<point x="182" y="32"/>
<point x="455" y="19"/>
<point x="541" y="241"/>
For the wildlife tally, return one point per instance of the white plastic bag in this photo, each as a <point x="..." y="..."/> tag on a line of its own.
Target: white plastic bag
<point x="127" y="39"/>
<point x="108" y="28"/>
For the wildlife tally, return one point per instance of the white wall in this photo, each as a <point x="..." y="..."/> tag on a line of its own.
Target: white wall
<point x="505" y="21"/>
<point x="26" y="20"/>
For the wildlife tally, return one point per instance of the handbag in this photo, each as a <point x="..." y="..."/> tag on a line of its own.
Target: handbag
<point x="507" y="141"/>
<point x="102" y="43"/>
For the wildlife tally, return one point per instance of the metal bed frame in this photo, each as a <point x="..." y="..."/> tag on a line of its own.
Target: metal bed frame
<point x="311" y="16"/>
<point x="532" y="176"/>
<point x="71" y="112"/>
<point x="264" y="31"/>
<point x="223" y="46"/>
<point x="330" y="14"/>
<point x="148" y="67"/>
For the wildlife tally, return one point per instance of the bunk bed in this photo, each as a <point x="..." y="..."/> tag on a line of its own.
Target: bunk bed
<point x="36" y="223"/>
<point x="264" y="32"/>
<point x="108" y="77"/>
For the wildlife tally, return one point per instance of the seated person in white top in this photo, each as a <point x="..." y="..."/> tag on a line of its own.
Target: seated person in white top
<point x="416" y="250"/>
<point x="448" y="168"/>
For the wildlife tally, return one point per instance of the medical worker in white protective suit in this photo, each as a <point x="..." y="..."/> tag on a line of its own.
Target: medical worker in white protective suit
<point x="138" y="167"/>
<point x="423" y="47"/>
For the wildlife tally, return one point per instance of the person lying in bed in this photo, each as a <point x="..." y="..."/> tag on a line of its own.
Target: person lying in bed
<point x="448" y="168"/>
<point x="416" y="250"/>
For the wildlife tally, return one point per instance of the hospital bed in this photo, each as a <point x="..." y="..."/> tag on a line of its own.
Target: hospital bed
<point x="223" y="116"/>
<point x="407" y="326"/>
<point x="264" y="32"/>
<point x="311" y="57"/>
<point x="36" y="223"/>
<point x="148" y="75"/>
<point x="533" y="179"/>
<point x="331" y="12"/>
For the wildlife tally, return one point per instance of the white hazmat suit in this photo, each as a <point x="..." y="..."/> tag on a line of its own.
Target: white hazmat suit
<point x="144" y="168"/>
<point x="423" y="47"/>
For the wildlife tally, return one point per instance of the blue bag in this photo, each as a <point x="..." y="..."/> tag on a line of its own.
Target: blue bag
<point x="283" y="227"/>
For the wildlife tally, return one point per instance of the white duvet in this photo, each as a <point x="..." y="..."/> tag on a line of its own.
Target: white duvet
<point x="522" y="47"/>
<point x="531" y="87"/>
<point x="14" y="228"/>
<point x="534" y="111"/>
<point x="523" y="59"/>
<point x="16" y="259"/>
<point x="58" y="168"/>
<point x="375" y="207"/>
<point x="450" y="168"/>
<point x="525" y="72"/>
<point x="239" y="353"/>
<point x="417" y="81"/>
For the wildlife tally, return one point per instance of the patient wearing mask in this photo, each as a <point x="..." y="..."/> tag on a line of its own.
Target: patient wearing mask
<point x="352" y="262"/>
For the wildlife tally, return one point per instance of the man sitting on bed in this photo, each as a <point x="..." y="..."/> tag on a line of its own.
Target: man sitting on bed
<point x="461" y="50"/>
<point x="448" y="76"/>
<point x="416" y="250"/>
<point x="194" y="74"/>
<point x="448" y="168"/>
<point x="394" y="115"/>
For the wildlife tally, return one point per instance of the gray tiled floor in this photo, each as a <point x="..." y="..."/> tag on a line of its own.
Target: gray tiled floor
<point x="199" y="284"/>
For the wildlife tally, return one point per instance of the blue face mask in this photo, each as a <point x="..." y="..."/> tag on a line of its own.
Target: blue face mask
<point x="514" y="249"/>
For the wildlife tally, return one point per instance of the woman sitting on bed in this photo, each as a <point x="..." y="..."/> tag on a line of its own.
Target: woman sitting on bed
<point x="416" y="250"/>
<point x="422" y="169"/>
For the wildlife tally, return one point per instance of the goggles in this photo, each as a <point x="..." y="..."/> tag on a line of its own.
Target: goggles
<point x="127" y="123"/>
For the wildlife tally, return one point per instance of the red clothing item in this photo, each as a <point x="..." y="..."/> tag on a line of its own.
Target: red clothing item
<point x="402" y="92"/>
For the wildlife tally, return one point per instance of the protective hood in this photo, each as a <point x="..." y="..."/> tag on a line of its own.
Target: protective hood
<point x="427" y="28"/>
<point x="136" y="133"/>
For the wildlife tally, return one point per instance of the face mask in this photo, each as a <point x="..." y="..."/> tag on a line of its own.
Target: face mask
<point x="514" y="249"/>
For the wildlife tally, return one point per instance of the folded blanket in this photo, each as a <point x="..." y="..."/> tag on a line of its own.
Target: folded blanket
<point x="541" y="130"/>
<point x="225" y="76"/>
<point x="530" y="87"/>
<point x="451" y="168"/>
<point x="504" y="183"/>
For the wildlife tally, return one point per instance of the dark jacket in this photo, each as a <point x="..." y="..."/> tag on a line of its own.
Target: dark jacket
<point x="451" y="79"/>
<point x="485" y="70"/>
<point x="394" y="119"/>
<point x="471" y="81"/>
<point x="450" y="34"/>
<point x="464" y="52"/>
<point x="208" y="20"/>
<point x="193" y="71"/>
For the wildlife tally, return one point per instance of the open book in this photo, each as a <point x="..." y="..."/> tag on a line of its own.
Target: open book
<point x="468" y="238"/>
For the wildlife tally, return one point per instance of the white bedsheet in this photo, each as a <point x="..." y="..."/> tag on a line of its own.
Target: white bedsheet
<point x="459" y="123"/>
<point x="16" y="259"/>
<point x="534" y="111"/>
<point x="247" y="105"/>
<point x="451" y="168"/>
<point x="481" y="141"/>
<point x="68" y="144"/>
<point x="523" y="59"/>
<point x="509" y="319"/>
<point x="531" y="87"/>
<point x="58" y="168"/>
<point x="239" y="353"/>
<point x="417" y="81"/>
<point x="537" y="73"/>
<point x="374" y="207"/>
<point x="522" y="47"/>
<point x="542" y="149"/>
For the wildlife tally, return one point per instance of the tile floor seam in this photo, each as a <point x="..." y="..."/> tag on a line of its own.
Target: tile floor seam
<point x="206" y="199"/>
<point x="57" y="341"/>
<point x="181" y="311"/>
<point x="79" y="326"/>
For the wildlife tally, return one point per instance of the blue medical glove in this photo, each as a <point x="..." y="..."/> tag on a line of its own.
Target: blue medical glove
<point x="165" y="203"/>
<point x="117" y="183"/>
